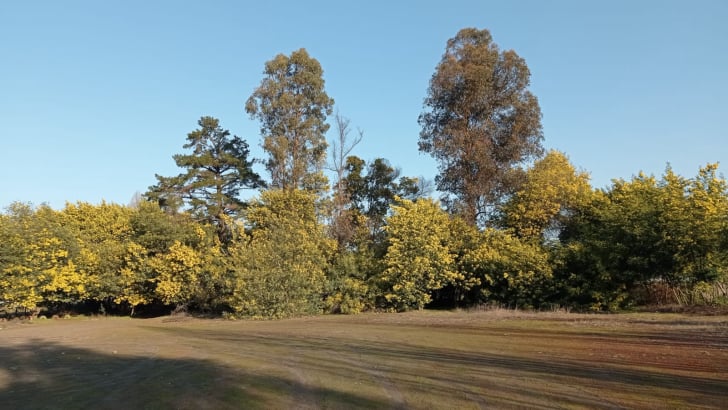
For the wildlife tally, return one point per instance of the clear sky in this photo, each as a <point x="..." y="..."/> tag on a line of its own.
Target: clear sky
<point x="96" y="96"/>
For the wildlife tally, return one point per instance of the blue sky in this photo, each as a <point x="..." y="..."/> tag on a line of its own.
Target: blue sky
<point x="96" y="96"/>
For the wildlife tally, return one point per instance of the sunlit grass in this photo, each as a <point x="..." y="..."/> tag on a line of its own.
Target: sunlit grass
<point x="435" y="359"/>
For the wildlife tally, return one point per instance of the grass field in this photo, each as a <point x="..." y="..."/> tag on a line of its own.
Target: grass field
<point x="435" y="359"/>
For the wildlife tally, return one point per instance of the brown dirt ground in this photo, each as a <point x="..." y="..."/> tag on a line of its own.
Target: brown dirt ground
<point x="436" y="359"/>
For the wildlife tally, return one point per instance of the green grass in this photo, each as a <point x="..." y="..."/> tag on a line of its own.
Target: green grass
<point x="496" y="359"/>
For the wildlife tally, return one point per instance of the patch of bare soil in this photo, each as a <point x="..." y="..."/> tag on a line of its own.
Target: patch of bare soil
<point x="432" y="359"/>
<point x="704" y="310"/>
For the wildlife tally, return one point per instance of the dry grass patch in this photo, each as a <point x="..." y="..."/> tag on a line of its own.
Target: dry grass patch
<point x="434" y="359"/>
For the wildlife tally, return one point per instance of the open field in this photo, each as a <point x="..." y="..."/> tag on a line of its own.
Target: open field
<point x="458" y="360"/>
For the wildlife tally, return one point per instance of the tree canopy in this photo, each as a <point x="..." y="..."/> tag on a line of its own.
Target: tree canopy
<point x="480" y="122"/>
<point x="216" y="171"/>
<point x="292" y="105"/>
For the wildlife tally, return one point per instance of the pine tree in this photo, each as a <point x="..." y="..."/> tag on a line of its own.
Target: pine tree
<point x="216" y="171"/>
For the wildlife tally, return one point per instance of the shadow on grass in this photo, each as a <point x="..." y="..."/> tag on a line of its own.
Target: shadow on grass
<point x="47" y="375"/>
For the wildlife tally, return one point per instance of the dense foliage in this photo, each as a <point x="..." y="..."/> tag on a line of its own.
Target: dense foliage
<point x="480" y="122"/>
<point x="531" y="235"/>
<point x="217" y="169"/>
<point x="292" y="107"/>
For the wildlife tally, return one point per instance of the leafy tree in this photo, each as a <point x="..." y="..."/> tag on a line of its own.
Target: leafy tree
<point x="349" y="286"/>
<point x="134" y="284"/>
<point x="506" y="270"/>
<point x="216" y="170"/>
<point x="419" y="259"/>
<point x="292" y="107"/>
<point x="177" y="274"/>
<point x="644" y="231"/>
<point x="156" y="231"/>
<point x="464" y="239"/>
<point x="18" y="280"/>
<point x="373" y="188"/>
<point x="613" y="244"/>
<point x="173" y="260"/>
<point x="480" y="123"/>
<point x="281" y="269"/>
<point x="582" y="261"/>
<point x="352" y="281"/>
<point x="52" y="252"/>
<point x="551" y="189"/>
<point x="38" y="267"/>
<point x="705" y="258"/>
<point x="102" y="233"/>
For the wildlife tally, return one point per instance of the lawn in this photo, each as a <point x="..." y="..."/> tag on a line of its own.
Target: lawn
<point x="432" y="359"/>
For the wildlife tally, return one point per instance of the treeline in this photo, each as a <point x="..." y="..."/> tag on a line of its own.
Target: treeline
<point x="640" y="241"/>
<point x="514" y="226"/>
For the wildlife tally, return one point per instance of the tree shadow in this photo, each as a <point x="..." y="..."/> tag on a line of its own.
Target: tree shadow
<point x="47" y="375"/>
